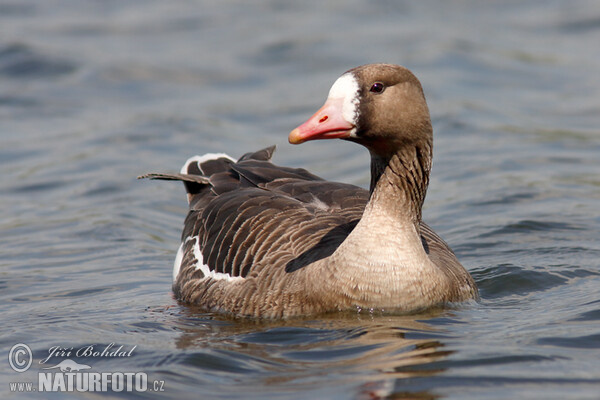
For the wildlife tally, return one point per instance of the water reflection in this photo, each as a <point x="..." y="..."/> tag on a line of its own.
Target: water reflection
<point x="374" y="355"/>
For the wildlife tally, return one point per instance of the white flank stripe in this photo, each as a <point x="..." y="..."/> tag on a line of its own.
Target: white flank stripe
<point x="200" y="263"/>
<point x="178" y="260"/>
<point x="204" y="268"/>
<point x="202" y="158"/>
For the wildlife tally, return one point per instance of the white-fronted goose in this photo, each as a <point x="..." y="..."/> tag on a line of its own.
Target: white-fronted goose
<point x="267" y="241"/>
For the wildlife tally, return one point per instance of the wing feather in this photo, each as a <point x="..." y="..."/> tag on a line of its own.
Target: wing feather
<point x="242" y="212"/>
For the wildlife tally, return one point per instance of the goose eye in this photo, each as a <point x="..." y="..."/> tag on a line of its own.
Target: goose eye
<point x="377" y="87"/>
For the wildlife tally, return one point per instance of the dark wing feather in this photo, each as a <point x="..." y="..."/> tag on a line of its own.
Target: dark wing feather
<point x="177" y="177"/>
<point x="242" y="212"/>
<point x="256" y="172"/>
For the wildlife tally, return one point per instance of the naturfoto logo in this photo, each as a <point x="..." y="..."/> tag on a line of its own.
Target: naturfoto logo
<point x="67" y="375"/>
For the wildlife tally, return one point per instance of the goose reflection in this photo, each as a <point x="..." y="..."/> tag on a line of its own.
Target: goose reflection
<point x="372" y="355"/>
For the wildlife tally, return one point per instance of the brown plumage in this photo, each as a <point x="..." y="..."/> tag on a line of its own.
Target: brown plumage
<point x="268" y="241"/>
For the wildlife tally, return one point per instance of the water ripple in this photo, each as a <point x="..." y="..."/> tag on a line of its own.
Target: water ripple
<point x="527" y="226"/>
<point x="579" y="342"/>
<point x="508" y="279"/>
<point x="18" y="60"/>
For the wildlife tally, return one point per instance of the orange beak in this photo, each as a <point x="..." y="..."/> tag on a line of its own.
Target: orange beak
<point x="327" y="123"/>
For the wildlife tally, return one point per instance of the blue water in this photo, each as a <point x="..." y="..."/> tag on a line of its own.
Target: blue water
<point x="95" y="93"/>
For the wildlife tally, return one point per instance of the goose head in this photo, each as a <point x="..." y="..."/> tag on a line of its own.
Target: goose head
<point x="380" y="106"/>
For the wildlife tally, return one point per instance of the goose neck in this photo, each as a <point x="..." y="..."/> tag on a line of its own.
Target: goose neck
<point x="399" y="182"/>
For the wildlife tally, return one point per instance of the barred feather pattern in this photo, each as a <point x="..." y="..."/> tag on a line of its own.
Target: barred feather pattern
<point x="253" y="227"/>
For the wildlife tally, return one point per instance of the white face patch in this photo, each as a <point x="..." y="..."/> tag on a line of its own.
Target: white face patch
<point x="346" y="87"/>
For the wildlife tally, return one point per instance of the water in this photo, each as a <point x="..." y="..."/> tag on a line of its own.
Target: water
<point x="93" y="94"/>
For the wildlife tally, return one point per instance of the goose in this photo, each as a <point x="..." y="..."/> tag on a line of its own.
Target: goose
<point x="266" y="241"/>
